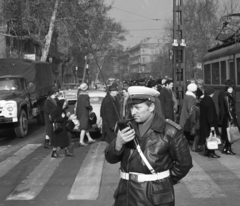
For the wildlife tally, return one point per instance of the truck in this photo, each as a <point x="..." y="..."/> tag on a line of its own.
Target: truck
<point x="24" y="87"/>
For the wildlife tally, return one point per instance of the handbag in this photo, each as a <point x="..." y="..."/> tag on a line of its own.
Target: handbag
<point x="57" y="127"/>
<point x="212" y="142"/>
<point x="70" y="125"/>
<point x="233" y="133"/>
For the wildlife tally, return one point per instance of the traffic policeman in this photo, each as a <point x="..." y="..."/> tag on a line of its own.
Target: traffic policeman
<point x="153" y="153"/>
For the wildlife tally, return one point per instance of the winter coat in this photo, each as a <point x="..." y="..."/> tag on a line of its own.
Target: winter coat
<point x="208" y="118"/>
<point x="110" y="115"/>
<point x="82" y="111"/>
<point x="60" y="139"/>
<point x="188" y="101"/>
<point x="227" y="112"/>
<point x="165" y="148"/>
<point x="167" y="103"/>
<point x="49" y="105"/>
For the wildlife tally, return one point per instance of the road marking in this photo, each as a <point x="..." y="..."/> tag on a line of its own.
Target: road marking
<point x="34" y="183"/>
<point x="2" y="148"/>
<point x="232" y="163"/>
<point x="200" y="185"/>
<point x="9" y="163"/>
<point x="87" y="183"/>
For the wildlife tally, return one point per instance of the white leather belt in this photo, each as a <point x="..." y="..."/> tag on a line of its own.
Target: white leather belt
<point x="139" y="177"/>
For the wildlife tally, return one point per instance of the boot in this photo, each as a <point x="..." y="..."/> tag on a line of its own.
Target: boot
<point x="55" y="154"/>
<point x="67" y="153"/>
<point x="47" y="144"/>
<point x="230" y="150"/>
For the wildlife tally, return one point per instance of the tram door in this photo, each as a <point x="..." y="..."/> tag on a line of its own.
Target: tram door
<point x="232" y="71"/>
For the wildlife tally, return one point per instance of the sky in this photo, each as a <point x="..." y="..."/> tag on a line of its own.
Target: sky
<point x="138" y="16"/>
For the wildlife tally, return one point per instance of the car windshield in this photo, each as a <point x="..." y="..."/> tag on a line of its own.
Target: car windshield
<point x="96" y="100"/>
<point x="10" y="84"/>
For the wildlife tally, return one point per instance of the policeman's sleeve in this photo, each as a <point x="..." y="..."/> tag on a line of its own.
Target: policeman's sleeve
<point x="181" y="157"/>
<point x="112" y="155"/>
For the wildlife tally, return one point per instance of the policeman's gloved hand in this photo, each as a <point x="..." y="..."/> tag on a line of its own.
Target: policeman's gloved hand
<point x="124" y="136"/>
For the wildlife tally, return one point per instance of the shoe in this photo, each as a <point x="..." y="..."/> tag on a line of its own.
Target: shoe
<point x="82" y="144"/>
<point x="230" y="152"/>
<point x="91" y="141"/>
<point x="55" y="154"/>
<point x="214" y="156"/>
<point x="68" y="154"/>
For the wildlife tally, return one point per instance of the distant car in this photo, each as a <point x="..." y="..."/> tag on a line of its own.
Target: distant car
<point x="96" y="98"/>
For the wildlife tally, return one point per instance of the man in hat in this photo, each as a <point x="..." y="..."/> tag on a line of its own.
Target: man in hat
<point x="153" y="153"/>
<point x="110" y="113"/>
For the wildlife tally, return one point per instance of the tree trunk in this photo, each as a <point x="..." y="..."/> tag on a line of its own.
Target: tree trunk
<point x="48" y="37"/>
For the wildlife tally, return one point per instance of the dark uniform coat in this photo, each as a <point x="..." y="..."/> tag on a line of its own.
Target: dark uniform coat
<point x="59" y="139"/>
<point x="110" y="115"/>
<point x="208" y="118"/>
<point x="165" y="149"/>
<point x="227" y="112"/>
<point x="49" y="105"/>
<point x="167" y="103"/>
<point x="82" y="111"/>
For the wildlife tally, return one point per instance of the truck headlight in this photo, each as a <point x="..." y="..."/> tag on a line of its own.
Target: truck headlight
<point x="9" y="108"/>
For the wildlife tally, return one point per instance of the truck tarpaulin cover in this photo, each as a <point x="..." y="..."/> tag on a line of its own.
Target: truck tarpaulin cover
<point x="38" y="73"/>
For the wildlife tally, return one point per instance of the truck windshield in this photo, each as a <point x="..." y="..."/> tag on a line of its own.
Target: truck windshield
<point x="10" y="84"/>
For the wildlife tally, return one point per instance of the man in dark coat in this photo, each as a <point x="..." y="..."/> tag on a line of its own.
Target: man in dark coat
<point x="110" y="113"/>
<point x="162" y="144"/>
<point x="208" y="119"/>
<point x="166" y="98"/>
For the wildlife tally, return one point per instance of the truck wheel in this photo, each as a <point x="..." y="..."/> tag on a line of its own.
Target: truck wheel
<point x="21" y="128"/>
<point x="40" y="118"/>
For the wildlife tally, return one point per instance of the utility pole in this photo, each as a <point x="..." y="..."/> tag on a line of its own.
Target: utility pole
<point x="178" y="50"/>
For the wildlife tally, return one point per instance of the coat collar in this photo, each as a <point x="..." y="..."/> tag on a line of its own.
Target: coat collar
<point x="190" y="94"/>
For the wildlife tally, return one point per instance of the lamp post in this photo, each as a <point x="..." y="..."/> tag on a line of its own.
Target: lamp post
<point x="76" y="74"/>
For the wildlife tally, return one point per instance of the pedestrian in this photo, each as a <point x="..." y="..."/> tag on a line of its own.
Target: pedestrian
<point x="189" y="118"/>
<point x="110" y="113"/>
<point x="60" y="139"/>
<point x="208" y="120"/>
<point x="124" y="110"/>
<point x="227" y="114"/>
<point x="49" y="105"/>
<point x="166" y="98"/>
<point x="162" y="157"/>
<point x="83" y="108"/>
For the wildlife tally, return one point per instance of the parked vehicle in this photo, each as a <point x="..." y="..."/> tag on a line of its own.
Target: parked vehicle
<point x="96" y="98"/>
<point x="24" y="85"/>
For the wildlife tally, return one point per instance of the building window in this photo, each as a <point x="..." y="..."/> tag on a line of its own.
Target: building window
<point x="215" y="73"/>
<point x="207" y="74"/>
<point x="143" y="60"/>
<point x="238" y="71"/>
<point x="223" y="72"/>
<point x="232" y="71"/>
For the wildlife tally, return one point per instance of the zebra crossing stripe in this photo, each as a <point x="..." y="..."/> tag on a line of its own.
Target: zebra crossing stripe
<point x="232" y="163"/>
<point x="87" y="183"/>
<point x="9" y="163"/>
<point x="200" y="185"/>
<point x="34" y="183"/>
<point x="2" y="148"/>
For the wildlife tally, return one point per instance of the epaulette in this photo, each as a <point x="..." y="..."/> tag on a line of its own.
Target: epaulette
<point x="174" y="124"/>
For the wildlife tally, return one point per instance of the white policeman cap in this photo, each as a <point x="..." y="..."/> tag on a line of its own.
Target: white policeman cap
<point x="140" y="94"/>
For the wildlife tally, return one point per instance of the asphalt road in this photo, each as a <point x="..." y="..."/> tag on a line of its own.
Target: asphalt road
<point x="29" y="176"/>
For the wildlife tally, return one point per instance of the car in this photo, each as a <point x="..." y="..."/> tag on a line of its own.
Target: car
<point x="96" y="98"/>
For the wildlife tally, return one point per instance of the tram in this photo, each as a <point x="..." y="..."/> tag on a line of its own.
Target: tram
<point x="222" y="62"/>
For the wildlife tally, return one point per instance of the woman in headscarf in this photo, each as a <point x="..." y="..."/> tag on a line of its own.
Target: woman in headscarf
<point x="82" y="111"/>
<point x="49" y="105"/>
<point x="60" y="139"/>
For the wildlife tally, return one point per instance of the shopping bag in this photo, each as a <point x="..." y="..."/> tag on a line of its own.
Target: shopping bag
<point x="233" y="133"/>
<point x="212" y="142"/>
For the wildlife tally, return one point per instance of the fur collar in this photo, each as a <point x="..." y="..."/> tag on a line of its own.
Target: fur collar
<point x="190" y="94"/>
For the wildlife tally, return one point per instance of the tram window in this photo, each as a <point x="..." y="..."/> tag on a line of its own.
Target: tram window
<point x="238" y="71"/>
<point x="207" y="74"/>
<point x="232" y="71"/>
<point x="223" y="72"/>
<point x="215" y="73"/>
